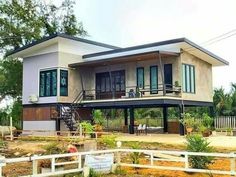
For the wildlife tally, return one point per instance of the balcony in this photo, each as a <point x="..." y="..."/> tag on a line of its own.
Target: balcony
<point x="133" y="92"/>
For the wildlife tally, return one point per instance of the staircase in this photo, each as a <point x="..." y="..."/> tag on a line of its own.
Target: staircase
<point x="69" y="114"/>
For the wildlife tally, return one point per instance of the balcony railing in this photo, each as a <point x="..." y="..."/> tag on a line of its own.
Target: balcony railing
<point x="130" y="92"/>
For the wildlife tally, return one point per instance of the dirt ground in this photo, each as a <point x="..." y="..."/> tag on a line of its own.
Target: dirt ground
<point x="36" y="147"/>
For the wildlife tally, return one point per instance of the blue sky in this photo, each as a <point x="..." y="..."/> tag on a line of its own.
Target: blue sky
<point x="133" y="22"/>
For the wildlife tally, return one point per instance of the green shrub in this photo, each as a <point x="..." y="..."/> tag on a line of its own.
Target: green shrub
<point x="87" y="127"/>
<point x="196" y="143"/>
<point x="135" y="156"/>
<point x="53" y="148"/>
<point x="108" y="141"/>
<point x="207" y="121"/>
<point x="98" y="117"/>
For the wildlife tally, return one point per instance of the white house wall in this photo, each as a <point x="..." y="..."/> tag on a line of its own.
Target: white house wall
<point x="31" y="68"/>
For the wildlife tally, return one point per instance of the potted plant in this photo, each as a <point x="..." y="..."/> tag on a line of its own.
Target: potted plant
<point x="204" y="130"/>
<point x="87" y="128"/>
<point x="99" y="120"/>
<point x="177" y="87"/>
<point x="189" y="122"/>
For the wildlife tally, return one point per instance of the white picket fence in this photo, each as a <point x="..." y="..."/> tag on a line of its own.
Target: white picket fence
<point x="225" y="122"/>
<point x="151" y="155"/>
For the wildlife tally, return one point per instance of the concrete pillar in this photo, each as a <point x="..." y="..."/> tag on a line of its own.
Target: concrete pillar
<point x="131" y="124"/>
<point x="126" y="116"/>
<point x="181" y="126"/>
<point x="165" y="118"/>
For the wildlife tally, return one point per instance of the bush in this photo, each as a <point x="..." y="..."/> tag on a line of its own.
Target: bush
<point x="196" y="143"/>
<point x="207" y="121"/>
<point x="98" y="117"/>
<point x="109" y="141"/>
<point x="53" y="148"/>
<point x="135" y="156"/>
<point x="87" y="127"/>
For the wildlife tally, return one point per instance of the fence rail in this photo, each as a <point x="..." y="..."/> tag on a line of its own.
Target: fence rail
<point x="225" y="122"/>
<point x="151" y="155"/>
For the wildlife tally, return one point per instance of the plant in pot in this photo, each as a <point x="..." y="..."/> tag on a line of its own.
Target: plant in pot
<point x="189" y="122"/>
<point x="177" y="87"/>
<point x="204" y="130"/>
<point x="99" y="121"/>
<point x="87" y="128"/>
<point x="52" y="148"/>
<point x="207" y="121"/>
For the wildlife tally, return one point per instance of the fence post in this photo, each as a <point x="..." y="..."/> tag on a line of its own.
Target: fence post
<point x="79" y="161"/>
<point x="152" y="159"/>
<point x="232" y="164"/>
<point x="53" y="164"/>
<point x="186" y="160"/>
<point x="35" y="166"/>
<point x="2" y="163"/>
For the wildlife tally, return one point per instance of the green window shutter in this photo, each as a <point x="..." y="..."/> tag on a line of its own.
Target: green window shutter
<point x="42" y="84"/>
<point x="54" y="83"/>
<point x="63" y="83"/>
<point x="140" y="77"/>
<point x="153" y="79"/>
<point x="48" y="83"/>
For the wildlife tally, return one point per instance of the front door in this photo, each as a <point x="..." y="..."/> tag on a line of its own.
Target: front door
<point x="168" y="77"/>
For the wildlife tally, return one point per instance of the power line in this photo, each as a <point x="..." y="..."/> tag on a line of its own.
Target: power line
<point x="215" y="39"/>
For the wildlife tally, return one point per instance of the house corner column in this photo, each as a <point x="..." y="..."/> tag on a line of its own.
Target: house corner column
<point x="131" y="124"/>
<point x="181" y="127"/>
<point x="165" y="118"/>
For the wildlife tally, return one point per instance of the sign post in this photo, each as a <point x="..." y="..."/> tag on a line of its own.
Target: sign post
<point x="2" y="163"/>
<point x="11" y="129"/>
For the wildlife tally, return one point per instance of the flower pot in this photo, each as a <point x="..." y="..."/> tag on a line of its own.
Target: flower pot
<point x="189" y="130"/>
<point x="206" y="134"/>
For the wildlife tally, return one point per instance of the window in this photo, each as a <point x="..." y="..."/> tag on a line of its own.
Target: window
<point x="140" y="77"/>
<point x="188" y="77"/>
<point x="153" y="79"/>
<point x="48" y="83"/>
<point x="63" y="83"/>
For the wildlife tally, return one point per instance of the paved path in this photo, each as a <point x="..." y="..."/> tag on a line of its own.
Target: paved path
<point x="217" y="141"/>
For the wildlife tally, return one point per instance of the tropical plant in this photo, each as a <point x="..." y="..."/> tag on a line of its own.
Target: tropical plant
<point x="87" y="127"/>
<point x="207" y="121"/>
<point x="108" y="141"/>
<point x="188" y="121"/>
<point x="98" y="117"/>
<point x="196" y="143"/>
<point x="135" y="156"/>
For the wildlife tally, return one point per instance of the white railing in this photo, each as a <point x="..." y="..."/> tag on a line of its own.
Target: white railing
<point x="225" y="122"/>
<point x="151" y="155"/>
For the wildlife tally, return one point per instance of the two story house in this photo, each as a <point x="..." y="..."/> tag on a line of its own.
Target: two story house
<point x="65" y="78"/>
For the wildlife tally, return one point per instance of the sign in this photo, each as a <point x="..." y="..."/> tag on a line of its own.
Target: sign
<point x="2" y="161"/>
<point x="101" y="163"/>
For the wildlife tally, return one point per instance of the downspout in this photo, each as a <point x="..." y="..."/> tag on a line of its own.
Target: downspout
<point x="162" y="74"/>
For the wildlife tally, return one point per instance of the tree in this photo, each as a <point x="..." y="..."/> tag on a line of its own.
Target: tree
<point x="23" y="21"/>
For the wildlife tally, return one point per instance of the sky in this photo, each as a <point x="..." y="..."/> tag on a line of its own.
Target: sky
<point x="133" y="22"/>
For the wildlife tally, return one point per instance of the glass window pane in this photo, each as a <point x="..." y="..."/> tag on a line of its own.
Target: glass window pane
<point x="183" y="78"/>
<point x="153" y="79"/>
<point x="140" y="77"/>
<point x="42" y="84"/>
<point x="187" y="78"/>
<point x="48" y="83"/>
<point x="192" y="79"/>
